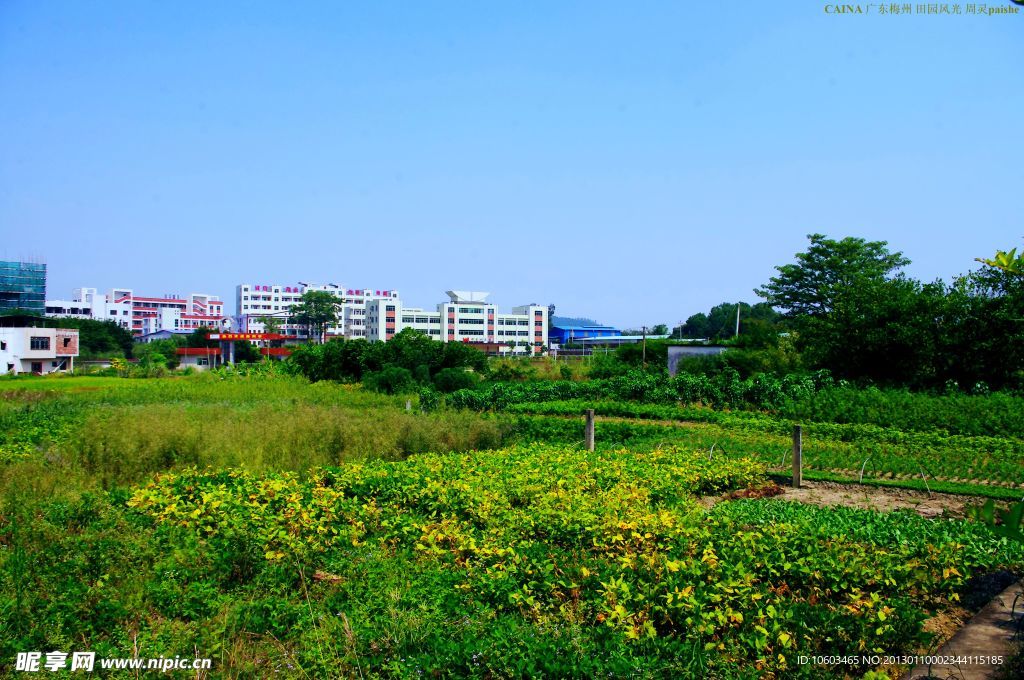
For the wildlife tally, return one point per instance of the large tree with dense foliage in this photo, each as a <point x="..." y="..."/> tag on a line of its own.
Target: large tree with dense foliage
<point x="984" y="341"/>
<point x="317" y="310"/>
<point x="854" y="313"/>
<point x="819" y="283"/>
<point x="848" y="304"/>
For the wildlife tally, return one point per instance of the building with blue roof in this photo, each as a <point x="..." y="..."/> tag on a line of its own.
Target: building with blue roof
<point x="567" y="334"/>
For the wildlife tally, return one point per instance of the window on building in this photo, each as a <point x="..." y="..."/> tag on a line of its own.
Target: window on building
<point x="67" y="342"/>
<point x="37" y="366"/>
<point x="39" y="342"/>
<point x="389" y="308"/>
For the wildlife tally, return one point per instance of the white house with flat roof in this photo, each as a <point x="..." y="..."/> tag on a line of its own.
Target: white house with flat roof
<point x="38" y="350"/>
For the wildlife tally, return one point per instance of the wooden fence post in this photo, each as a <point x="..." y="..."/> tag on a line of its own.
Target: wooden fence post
<point x="798" y="456"/>
<point x="590" y="429"/>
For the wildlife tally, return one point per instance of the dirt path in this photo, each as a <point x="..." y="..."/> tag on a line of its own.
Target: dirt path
<point x="874" y="498"/>
<point x="881" y="498"/>
<point x="969" y="653"/>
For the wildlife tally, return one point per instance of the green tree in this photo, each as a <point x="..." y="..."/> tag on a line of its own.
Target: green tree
<point x="820" y="281"/>
<point x="98" y="339"/>
<point x="159" y="352"/>
<point x="983" y="338"/>
<point x="720" y="323"/>
<point x="852" y="311"/>
<point x="317" y="310"/>
<point x="271" y="324"/>
<point x="200" y="337"/>
<point x="696" y="326"/>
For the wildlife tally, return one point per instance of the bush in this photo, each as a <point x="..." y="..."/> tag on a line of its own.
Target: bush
<point x="452" y="379"/>
<point x="429" y="399"/>
<point x="390" y="380"/>
<point x="509" y="370"/>
<point x="606" y="366"/>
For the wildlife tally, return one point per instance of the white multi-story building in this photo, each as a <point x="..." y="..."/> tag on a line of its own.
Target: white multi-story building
<point x="37" y="350"/>
<point x="255" y="302"/>
<point x="377" y="315"/>
<point x="141" y="314"/>
<point x="86" y="303"/>
<point x="468" y="317"/>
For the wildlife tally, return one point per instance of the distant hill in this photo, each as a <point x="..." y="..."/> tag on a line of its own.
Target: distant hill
<point x="573" y="321"/>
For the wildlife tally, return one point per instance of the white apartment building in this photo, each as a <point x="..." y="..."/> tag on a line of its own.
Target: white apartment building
<point x="378" y="314"/>
<point x="87" y="303"/>
<point x="37" y="350"/>
<point x="254" y="302"/>
<point x="467" y="316"/>
<point x="141" y="314"/>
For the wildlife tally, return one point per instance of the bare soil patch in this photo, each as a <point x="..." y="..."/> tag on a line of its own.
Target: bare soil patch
<point x="869" y="497"/>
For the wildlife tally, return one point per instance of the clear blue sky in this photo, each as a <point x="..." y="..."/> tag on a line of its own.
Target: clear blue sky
<point x="632" y="162"/>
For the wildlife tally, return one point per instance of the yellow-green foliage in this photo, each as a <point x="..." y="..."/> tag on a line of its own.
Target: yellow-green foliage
<point x="480" y="504"/>
<point x="562" y="550"/>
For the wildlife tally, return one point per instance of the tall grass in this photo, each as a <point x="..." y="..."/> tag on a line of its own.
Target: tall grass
<point x="109" y="432"/>
<point x="126" y="444"/>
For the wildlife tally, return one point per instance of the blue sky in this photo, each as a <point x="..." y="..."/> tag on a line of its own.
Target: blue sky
<point x="632" y="162"/>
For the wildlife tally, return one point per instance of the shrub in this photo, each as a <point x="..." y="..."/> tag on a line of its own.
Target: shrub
<point x="452" y="379"/>
<point x="390" y="380"/>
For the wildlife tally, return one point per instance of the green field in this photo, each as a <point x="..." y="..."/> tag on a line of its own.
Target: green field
<point x="318" y="530"/>
<point x="933" y="459"/>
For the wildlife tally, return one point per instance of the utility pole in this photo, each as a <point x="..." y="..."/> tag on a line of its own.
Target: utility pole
<point x="737" y="319"/>
<point x="644" y="353"/>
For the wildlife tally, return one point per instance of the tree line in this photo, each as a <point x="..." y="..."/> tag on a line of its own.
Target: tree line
<point x="848" y="306"/>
